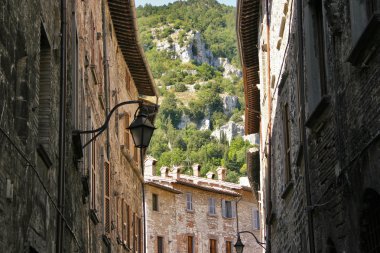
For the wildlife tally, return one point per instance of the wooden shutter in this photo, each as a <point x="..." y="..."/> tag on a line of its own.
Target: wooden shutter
<point x="126" y="137"/>
<point x="285" y="118"/>
<point x="228" y="247"/>
<point x="44" y="95"/>
<point x="233" y="209"/>
<point x="93" y="173"/>
<point x="212" y="246"/>
<point x="122" y="221"/>
<point x="190" y="244"/>
<point x="189" y="204"/>
<point x="118" y="216"/>
<point x="160" y="244"/>
<point x="155" y="202"/>
<point x="128" y="226"/>
<point x="107" y="204"/>
<point x="224" y="213"/>
<point x="139" y="234"/>
<point x="134" y="232"/>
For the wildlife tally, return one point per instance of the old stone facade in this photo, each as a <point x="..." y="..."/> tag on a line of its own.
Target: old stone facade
<point x="99" y="198"/>
<point x="318" y="87"/>
<point x="194" y="214"/>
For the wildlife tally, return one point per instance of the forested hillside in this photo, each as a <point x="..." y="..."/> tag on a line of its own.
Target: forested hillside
<point x="191" y="48"/>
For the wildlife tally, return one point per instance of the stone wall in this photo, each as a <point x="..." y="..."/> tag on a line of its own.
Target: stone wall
<point x="175" y="223"/>
<point x="339" y="150"/>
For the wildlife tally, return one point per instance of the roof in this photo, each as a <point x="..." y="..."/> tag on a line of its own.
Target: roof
<point x="247" y="21"/>
<point x="123" y="16"/>
<point x="163" y="187"/>
<point x="211" y="185"/>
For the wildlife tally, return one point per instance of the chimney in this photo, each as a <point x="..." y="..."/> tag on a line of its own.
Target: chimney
<point x="196" y="170"/>
<point x="150" y="166"/>
<point x="210" y="175"/>
<point x="221" y="173"/>
<point x="176" y="172"/>
<point x="164" y="171"/>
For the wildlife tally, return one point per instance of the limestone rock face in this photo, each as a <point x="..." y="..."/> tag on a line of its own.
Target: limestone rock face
<point x="229" y="131"/>
<point x="191" y="47"/>
<point x="184" y="121"/>
<point x="230" y="103"/>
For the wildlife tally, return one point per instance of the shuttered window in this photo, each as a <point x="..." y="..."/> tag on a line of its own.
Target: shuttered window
<point x="319" y="35"/>
<point x="190" y="244"/>
<point x="107" y="198"/>
<point x="160" y="244"/>
<point x="189" y="202"/>
<point x="228" y="247"/>
<point x="119" y="217"/>
<point x="155" y="202"/>
<point x="126" y="131"/>
<point x="286" y="133"/>
<point x="211" y="206"/>
<point x="93" y="173"/>
<point x="44" y="92"/>
<point x="139" y="235"/>
<point x="228" y="209"/>
<point x="213" y="246"/>
<point x="255" y="219"/>
<point x="134" y="231"/>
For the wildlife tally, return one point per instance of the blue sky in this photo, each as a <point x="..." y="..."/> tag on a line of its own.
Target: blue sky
<point x="162" y="2"/>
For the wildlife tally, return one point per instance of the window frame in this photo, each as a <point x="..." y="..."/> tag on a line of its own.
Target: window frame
<point x="228" y="209"/>
<point x="213" y="243"/>
<point x="190" y="244"/>
<point x="211" y="206"/>
<point x="228" y="247"/>
<point x="160" y="249"/>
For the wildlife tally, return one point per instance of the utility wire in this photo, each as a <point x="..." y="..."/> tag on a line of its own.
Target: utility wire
<point x="43" y="186"/>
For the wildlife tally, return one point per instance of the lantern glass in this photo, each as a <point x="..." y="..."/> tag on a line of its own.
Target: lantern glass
<point x="142" y="130"/>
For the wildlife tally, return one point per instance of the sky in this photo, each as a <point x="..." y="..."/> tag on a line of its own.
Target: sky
<point x="162" y="2"/>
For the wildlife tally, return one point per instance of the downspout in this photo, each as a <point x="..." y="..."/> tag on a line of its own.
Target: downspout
<point x="143" y="197"/>
<point x="106" y="72"/>
<point x="303" y="133"/>
<point x="269" y="132"/>
<point x="62" y="130"/>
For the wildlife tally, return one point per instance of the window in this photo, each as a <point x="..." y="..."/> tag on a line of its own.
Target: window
<point x="139" y="236"/>
<point x="134" y="231"/>
<point x="190" y="244"/>
<point x="228" y="209"/>
<point x="228" y="247"/>
<point x="285" y="118"/>
<point x="127" y="80"/>
<point x="213" y="246"/>
<point x="189" y="202"/>
<point x="126" y="226"/>
<point x="255" y="219"/>
<point x="93" y="172"/>
<point x="126" y="138"/>
<point x="372" y="6"/>
<point x="107" y="198"/>
<point x="370" y="222"/>
<point x="119" y="220"/>
<point x="211" y="206"/>
<point x="44" y="94"/>
<point x="160" y="244"/>
<point x="314" y="55"/>
<point x="155" y="202"/>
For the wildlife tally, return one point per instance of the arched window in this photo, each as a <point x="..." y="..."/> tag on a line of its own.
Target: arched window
<point x="370" y="222"/>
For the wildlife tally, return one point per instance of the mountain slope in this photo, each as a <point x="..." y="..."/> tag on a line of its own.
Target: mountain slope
<point x="191" y="48"/>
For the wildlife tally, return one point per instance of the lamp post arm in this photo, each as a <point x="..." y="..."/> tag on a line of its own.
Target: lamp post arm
<point x="99" y="130"/>
<point x="257" y="240"/>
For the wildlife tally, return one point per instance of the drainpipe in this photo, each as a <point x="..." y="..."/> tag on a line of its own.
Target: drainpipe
<point x="143" y="197"/>
<point x="62" y="131"/>
<point x="269" y="132"/>
<point x="303" y="133"/>
<point x="106" y="71"/>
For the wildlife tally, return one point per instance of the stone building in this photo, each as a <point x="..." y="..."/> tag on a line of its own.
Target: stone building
<point x="311" y="72"/>
<point x="56" y="79"/>
<point x="195" y="214"/>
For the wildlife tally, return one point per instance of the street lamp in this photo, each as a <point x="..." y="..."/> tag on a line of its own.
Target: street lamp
<point x="141" y="129"/>
<point x="239" y="246"/>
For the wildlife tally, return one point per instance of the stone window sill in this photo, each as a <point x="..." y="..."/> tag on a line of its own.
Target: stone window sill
<point x="287" y="190"/>
<point x="212" y="214"/>
<point x="367" y="44"/>
<point x="323" y="104"/>
<point x="190" y="211"/>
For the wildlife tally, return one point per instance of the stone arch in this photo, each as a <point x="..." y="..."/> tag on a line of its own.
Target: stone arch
<point x="370" y="222"/>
